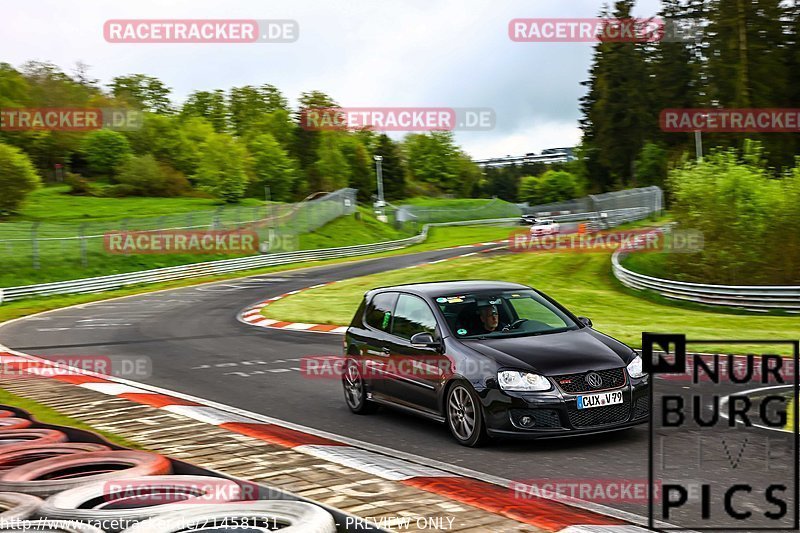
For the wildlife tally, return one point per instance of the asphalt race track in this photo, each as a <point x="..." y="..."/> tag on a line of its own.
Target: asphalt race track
<point x="198" y="347"/>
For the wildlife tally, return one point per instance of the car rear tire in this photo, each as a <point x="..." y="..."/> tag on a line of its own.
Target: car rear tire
<point x="465" y="416"/>
<point x="355" y="390"/>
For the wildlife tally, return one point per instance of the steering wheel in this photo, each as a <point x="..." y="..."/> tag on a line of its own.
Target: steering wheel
<point x="514" y="325"/>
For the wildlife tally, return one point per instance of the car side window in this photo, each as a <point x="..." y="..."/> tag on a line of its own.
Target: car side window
<point x="379" y="311"/>
<point x="412" y="316"/>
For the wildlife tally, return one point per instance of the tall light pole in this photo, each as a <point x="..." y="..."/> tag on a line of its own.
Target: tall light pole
<point x="380" y="203"/>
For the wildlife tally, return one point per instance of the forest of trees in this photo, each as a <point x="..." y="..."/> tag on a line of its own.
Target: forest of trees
<point x="745" y="54"/>
<point x="228" y="144"/>
<point x="231" y="143"/>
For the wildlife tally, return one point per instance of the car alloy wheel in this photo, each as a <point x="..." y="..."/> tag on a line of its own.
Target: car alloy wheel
<point x="355" y="391"/>
<point x="464" y="417"/>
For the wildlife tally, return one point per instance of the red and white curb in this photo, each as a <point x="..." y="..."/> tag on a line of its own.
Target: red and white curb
<point x="574" y="516"/>
<point x="252" y="314"/>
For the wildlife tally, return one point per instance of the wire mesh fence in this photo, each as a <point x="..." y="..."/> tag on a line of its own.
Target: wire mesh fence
<point x="459" y="210"/>
<point x="55" y="250"/>
<point x="649" y="198"/>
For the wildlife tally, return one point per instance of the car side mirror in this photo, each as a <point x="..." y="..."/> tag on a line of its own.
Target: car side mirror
<point x="425" y="340"/>
<point x="585" y="321"/>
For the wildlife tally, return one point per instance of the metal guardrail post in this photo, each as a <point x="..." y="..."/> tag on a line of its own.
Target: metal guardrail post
<point x="35" y="245"/>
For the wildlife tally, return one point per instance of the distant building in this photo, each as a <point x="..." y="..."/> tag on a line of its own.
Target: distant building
<point x="548" y="156"/>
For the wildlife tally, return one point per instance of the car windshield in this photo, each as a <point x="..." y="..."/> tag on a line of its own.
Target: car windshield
<point x="498" y="314"/>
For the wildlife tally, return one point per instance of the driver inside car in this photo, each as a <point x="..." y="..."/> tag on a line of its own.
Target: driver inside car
<point x="489" y="320"/>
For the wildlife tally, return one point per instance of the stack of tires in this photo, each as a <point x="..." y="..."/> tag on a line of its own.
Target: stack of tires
<point x="50" y="484"/>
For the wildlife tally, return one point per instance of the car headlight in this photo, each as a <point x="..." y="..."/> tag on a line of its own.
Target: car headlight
<point x="635" y="367"/>
<point x="512" y="380"/>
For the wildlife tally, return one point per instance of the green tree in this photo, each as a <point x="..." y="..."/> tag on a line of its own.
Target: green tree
<point x="17" y="178"/>
<point x="166" y="138"/>
<point x="209" y="105"/>
<point x="433" y="159"/>
<point x="272" y="167"/>
<point x="617" y="112"/>
<point x="362" y="175"/>
<point x="222" y="168"/>
<point x="393" y="168"/>
<point x="144" y="176"/>
<point x="105" y="150"/>
<point x="144" y="92"/>
<point x="331" y="171"/>
<point x="651" y="165"/>
<point x="528" y="192"/>
<point x="249" y="106"/>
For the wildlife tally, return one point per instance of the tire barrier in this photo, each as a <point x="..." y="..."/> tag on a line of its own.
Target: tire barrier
<point x="136" y="499"/>
<point x="15" y="506"/>
<point x="48" y="476"/>
<point x="14" y="423"/>
<point x="286" y="516"/>
<point x="24" y="437"/>
<point x="50" y="526"/>
<point x="13" y="456"/>
<point x="87" y="485"/>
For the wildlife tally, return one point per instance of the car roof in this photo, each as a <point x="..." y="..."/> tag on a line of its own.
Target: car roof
<point x="434" y="288"/>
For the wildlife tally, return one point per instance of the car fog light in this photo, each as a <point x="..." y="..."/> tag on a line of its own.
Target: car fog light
<point x="527" y="421"/>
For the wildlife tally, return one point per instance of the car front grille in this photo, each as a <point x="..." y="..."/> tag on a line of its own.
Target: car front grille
<point x="576" y="383"/>
<point x="598" y="416"/>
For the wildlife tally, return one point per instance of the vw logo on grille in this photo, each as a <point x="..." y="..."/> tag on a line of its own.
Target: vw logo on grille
<point x="594" y="380"/>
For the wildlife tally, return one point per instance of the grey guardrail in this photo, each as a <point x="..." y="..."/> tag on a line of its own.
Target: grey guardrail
<point x="210" y="268"/>
<point x="752" y="297"/>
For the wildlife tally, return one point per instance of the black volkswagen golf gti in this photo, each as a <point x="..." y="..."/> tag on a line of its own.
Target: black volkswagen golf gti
<point x="490" y="359"/>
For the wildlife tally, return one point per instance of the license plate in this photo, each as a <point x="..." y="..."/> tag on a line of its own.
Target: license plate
<point x="587" y="401"/>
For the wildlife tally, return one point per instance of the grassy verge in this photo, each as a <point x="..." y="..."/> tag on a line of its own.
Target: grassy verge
<point x="437" y="238"/>
<point x="61" y="260"/>
<point x="359" y="228"/>
<point x="582" y="282"/>
<point x="53" y="204"/>
<point x="48" y="415"/>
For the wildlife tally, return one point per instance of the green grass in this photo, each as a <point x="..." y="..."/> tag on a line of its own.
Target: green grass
<point x="447" y="210"/>
<point x="582" y="282"/>
<point x="456" y="203"/>
<point x="48" y="415"/>
<point x="62" y="260"/>
<point x="790" y="415"/>
<point x="437" y="238"/>
<point x="52" y="204"/>
<point x="350" y="231"/>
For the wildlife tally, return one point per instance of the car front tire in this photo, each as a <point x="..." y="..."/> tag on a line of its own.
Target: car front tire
<point x="465" y="416"/>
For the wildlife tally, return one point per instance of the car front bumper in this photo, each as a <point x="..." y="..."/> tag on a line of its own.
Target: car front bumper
<point x="555" y="413"/>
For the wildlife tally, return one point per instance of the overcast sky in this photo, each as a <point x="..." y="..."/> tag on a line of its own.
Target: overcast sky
<point x="420" y="53"/>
